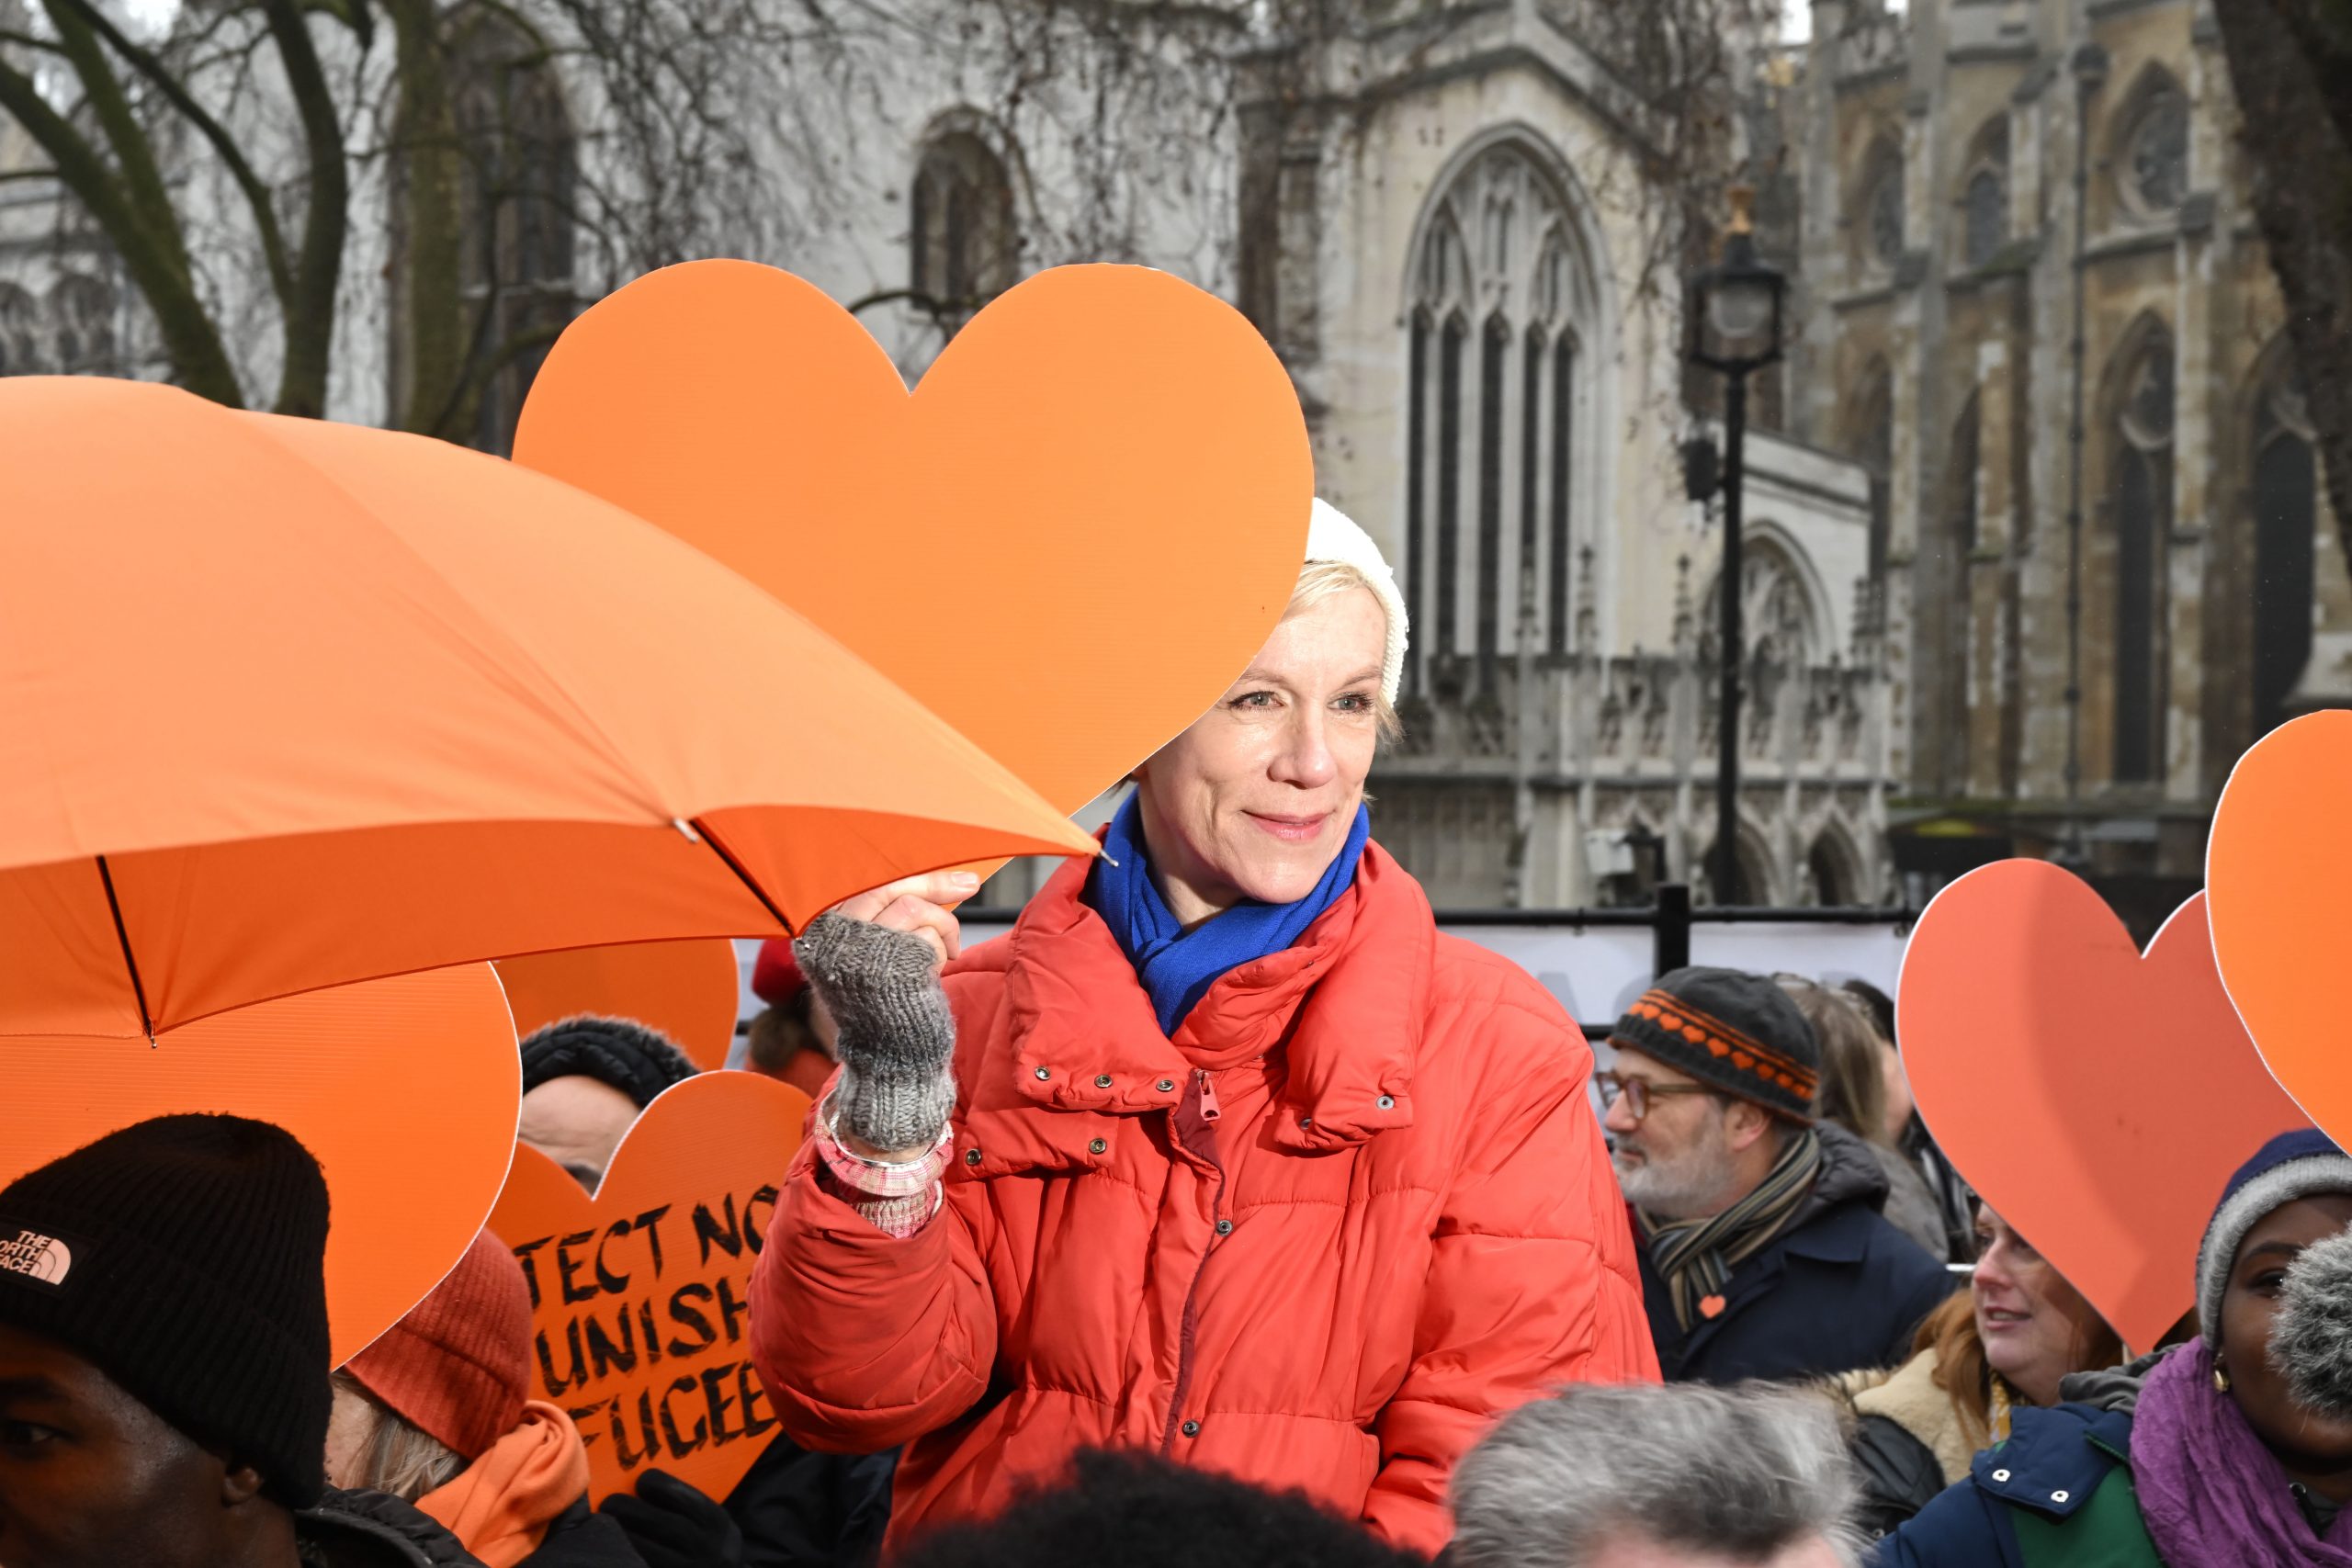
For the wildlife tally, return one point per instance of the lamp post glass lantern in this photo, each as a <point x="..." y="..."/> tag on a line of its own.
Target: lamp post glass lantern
<point x="1733" y="321"/>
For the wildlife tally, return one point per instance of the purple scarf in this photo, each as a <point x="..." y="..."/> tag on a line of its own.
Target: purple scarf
<point x="2212" y="1496"/>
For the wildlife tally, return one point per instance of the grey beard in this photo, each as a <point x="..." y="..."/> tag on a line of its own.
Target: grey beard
<point x="1684" y="1188"/>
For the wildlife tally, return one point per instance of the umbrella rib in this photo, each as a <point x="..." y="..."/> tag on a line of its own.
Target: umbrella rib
<point x="701" y="831"/>
<point x="138" y="990"/>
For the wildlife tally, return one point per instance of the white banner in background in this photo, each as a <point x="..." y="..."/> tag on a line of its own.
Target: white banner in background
<point x="1595" y="972"/>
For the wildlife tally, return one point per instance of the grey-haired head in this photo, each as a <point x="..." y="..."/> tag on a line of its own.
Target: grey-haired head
<point x="1749" y="1475"/>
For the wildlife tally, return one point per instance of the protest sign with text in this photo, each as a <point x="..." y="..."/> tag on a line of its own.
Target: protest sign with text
<point x="640" y="1295"/>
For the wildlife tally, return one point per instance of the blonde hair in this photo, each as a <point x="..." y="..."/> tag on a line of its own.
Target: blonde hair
<point x="1322" y="580"/>
<point x="1853" y="1075"/>
<point x="399" y="1459"/>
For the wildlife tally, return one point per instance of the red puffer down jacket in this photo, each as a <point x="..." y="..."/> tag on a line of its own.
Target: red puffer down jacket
<point x="1357" y="1209"/>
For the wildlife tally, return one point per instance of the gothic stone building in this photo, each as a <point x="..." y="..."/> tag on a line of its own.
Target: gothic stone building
<point x="2083" y="631"/>
<point x="1444" y="217"/>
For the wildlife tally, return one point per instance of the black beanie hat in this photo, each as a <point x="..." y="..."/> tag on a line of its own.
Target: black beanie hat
<point x="1732" y="1030"/>
<point x="637" y="1060"/>
<point x="185" y="1257"/>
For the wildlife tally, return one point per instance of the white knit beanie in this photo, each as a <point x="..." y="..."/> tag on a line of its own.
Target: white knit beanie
<point x="1333" y="535"/>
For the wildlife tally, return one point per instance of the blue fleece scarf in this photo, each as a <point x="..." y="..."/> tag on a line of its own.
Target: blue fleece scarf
<point x="1176" y="965"/>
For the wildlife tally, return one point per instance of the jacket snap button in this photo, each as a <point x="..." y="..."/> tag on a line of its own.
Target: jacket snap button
<point x="1165" y="1086"/>
<point x="1103" y="1080"/>
<point x="971" y="1157"/>
<point x="2000" y="1475"/>
<point x="1387" y="1103"/>
<point x="1191" y="1429"/>
<point x="2060" y="1497"/>
<point x="1225" y="1227"/>
<point x="1307" y="1120"/>
<point x="1043" y="1073"/>
<point x="1097" y="1146"/>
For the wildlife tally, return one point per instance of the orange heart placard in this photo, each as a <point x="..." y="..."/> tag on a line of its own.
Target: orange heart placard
<point x="640" y="1295"/>
<point x="405" y="1090"/>
<point x="688" y="990"/>
<point x="1067" y="542"/>
<point x="2276" y="869"/>
<point x="2096" y="1098"/>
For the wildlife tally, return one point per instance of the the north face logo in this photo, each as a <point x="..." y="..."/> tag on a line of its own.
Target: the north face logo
<point x="44" y="1258"/>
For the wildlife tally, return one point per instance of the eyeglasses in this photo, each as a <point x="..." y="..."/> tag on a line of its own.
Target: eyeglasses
<point x="1637" y="1093"/>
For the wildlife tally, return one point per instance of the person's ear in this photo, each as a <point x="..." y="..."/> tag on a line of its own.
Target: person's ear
<point x="240" y="1483"/>
<point x="1743" y="1124"/>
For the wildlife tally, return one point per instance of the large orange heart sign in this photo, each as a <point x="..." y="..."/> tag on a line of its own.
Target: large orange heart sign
<point x="2098" y="1099"/>
<point x="2276" y="871"/>
<point x="641" y="1296"/>
<point x="405" y="1090"/>
<point x="1067" y="542"/>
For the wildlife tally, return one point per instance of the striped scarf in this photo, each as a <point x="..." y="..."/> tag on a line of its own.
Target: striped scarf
<point x="1696" y="1257"/>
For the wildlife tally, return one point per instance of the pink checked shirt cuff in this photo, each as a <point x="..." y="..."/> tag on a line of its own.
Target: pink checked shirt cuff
<point x="896" y="1197"/>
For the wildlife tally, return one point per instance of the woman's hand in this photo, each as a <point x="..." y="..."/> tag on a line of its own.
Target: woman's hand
<point x="875" y="962"/>
<point x="917" y="905"/>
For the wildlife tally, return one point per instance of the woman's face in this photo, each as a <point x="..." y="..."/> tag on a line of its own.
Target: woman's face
<point x="2035" y="1325"/>
<point x="1256" y="798"/>
<point x="2303" y="1441"/>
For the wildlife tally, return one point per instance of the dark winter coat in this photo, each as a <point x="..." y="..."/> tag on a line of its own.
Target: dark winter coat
<point x="579" y="1539"/>
<point x="1837" y="1289"/>
<point x="1909" y="1441"/>
<point x="2057" y="1494"/>
<point x="798" y="1510"/>
<point x="369" y="1529"/>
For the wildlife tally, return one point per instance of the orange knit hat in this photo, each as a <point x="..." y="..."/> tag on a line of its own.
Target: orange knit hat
<point x="459" y="1366"/>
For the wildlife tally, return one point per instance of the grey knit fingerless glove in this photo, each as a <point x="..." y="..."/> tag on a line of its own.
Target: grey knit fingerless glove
<point x="898" y="1037"/>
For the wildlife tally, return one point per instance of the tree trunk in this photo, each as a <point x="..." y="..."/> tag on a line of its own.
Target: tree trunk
<point x="2290" y="66"/>
<point x="428" y="311"/>
<point x="326" y="220"/>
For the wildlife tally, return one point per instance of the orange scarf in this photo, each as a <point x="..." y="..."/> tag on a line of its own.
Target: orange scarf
<point x="502" y="1505"/>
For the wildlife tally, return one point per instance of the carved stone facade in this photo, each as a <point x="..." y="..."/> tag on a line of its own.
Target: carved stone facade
<point x="1445" y="219"/>
<point x="1958" y="168"/>
<point x="1467" y="284"/>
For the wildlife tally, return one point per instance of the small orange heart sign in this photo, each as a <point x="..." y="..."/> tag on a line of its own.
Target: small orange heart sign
<point x="2277" y="870"/>
<point x="641" y="1296"/>
<point x="1067" y="542"/>
<point x="2096" y="1098"/>
<point x="405" y="1090"/>
<point x="688" y="990"/>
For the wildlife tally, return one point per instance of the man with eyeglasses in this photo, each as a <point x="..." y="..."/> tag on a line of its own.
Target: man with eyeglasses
<point x="1763" y="1251"/>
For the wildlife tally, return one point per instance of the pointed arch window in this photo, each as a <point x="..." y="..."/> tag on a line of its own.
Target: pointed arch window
<point x="2152" y="150"/>
<point x="1499" y="300"/>
<point x="963" y="241"/>
<point x="1878" y="206"/>
<point x="1985" y="195"/>
<point x="2142" y="506"/>
<point x="2285" y="492"/>
<point x="1946" y="618"/>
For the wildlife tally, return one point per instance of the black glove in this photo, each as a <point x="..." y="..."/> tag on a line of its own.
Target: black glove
<point x="673" y="1525"/>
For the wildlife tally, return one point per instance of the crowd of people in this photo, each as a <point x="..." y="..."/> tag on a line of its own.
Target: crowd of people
<point x="1225" y="1212"/>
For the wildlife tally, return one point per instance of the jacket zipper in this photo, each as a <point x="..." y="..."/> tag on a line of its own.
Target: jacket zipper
<point x="1204" y="1103"/>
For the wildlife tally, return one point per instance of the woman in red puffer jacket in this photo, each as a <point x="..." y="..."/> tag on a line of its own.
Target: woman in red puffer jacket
<point x="1223" y="1152"/>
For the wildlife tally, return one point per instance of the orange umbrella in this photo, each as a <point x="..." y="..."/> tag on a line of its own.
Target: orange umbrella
<point x="287" y="704"/>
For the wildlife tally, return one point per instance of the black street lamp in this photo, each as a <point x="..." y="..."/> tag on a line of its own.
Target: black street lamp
<point x="1732" y="320"/>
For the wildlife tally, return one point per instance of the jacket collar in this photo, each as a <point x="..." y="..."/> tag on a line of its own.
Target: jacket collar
<point x="2054" y="1458"/>
<point x="1344" y="1008"/>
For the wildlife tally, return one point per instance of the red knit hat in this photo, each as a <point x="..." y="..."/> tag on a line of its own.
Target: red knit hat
<point x="776" y="977"/>
<point x="459" y="1366"/>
